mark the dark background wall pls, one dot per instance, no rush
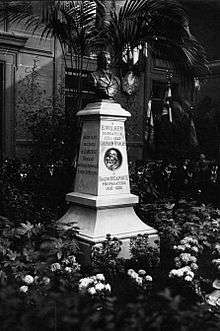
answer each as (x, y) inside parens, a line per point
(204, 18)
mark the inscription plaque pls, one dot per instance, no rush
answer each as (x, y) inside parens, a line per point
(87, 170)
(113, 177)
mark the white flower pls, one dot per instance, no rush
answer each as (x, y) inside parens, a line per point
(46, 280)
(195, 249)
(181, 247)
(193, 259)
(100, 277)
(191, 274)
(28, 279)
(213, 298)
(148, 278)
(186, 268)
(139, 280)
(177, 259)
(130, 272)
(216, 284)
(92, 290)
(185, 257)
(36, 278)
(72, 258)
(179, 272)
(85, 282)
(55, 266)
(24, 288)
(142, 272)
(173, 273)
(97, 246)
(65, 261)
(68, 269)
(194, 266)
(108, 287)
(216, 261)
(188, 279)
(99, 287)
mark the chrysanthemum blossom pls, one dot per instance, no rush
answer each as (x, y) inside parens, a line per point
(142, 272)
(68, 269)
(108, 287)
(100, 277)
(46, 280)
(99, 287)
(85, 282)
(188, 279)
(55, 266)
(28, 279)
(24, 289)
(92, 290)
(148, 278)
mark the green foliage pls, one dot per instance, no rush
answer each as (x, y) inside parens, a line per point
(162, 25)
(104, 256)
(45, 119)
(43, 287)
(144, 254)
(142, 180)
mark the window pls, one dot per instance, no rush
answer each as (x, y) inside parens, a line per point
(159, 89)
(71, 83)
(1, 106)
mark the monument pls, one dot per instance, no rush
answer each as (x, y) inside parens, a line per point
(101, 202)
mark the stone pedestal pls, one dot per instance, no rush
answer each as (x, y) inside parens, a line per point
(101, 202)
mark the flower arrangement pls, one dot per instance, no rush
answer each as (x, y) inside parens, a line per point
(94, 285)
(140, 278)
(186, 261)
(33, 282)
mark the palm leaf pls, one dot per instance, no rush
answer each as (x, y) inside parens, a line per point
(163, 25)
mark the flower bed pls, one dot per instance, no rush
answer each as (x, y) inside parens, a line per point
(43, 287)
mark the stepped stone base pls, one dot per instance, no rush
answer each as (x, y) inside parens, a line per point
(101, 203)
(97, 216)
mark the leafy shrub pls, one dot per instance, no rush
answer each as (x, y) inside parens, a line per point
(104, 256)
(143, 254)
(34, 191)
(197, 179)
(41, 281)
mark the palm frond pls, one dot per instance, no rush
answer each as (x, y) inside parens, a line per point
(163, 25)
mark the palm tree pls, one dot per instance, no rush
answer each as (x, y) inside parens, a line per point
(72, 23)
(159, 28)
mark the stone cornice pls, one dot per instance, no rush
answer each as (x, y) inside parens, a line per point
(12, 40)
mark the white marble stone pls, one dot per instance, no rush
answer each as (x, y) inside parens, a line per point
(102, 164)
(101, 202)
(94, 224)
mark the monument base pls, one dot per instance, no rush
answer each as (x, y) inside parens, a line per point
(97, 216)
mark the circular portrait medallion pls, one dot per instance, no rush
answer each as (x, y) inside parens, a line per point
(113, 159)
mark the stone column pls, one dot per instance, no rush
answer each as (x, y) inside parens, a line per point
(101, 202)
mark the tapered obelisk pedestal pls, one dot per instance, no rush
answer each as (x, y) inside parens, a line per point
(101, 202)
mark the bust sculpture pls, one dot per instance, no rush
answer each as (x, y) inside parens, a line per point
(106, 83)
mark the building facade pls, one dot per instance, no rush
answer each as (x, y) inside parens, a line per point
(32, 70)
(29, 74)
